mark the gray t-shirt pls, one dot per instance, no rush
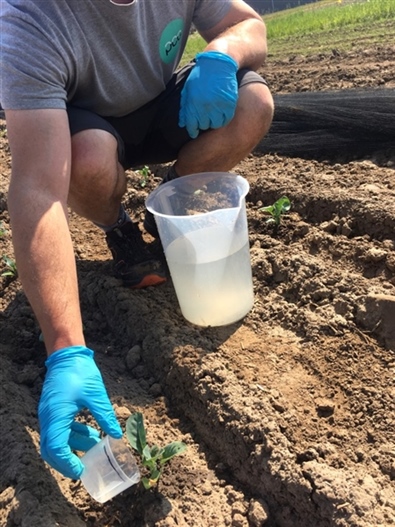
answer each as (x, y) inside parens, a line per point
(105, 58)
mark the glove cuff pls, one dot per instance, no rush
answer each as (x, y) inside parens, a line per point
(217, 55)
(66, 353)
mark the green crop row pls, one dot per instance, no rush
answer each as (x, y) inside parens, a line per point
(332, 22)
(327, 15)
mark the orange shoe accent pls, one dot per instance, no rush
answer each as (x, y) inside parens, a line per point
(148, 281)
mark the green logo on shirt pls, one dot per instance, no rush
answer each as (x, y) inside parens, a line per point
(169, 43)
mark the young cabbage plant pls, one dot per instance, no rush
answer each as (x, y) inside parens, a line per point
(279, 207)
(152, 458)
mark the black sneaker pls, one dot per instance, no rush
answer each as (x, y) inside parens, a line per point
(150, 224)
(134, 263)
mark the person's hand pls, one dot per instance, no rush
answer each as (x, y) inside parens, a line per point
(210, 93)
(73, 381)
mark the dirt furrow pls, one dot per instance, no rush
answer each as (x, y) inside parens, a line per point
(244, 421)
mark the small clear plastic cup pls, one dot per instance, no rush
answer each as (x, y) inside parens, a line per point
(110, 468)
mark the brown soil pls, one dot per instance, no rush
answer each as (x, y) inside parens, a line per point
(289, 415)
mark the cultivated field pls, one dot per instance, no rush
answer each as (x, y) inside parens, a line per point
(289, 415)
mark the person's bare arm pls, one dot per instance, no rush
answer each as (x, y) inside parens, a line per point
(37, 201)
(241, 34)
(41, 158)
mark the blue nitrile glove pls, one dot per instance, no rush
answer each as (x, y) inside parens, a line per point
(73, 381)
(210, 93)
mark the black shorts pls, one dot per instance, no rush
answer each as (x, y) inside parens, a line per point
(150, 134)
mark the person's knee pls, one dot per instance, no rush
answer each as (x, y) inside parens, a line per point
(94, 153)
(255, 111)
(96, 175)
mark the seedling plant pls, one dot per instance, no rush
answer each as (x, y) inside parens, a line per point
(145, 173)
(152, 458)
(276, 211)
(11, 269)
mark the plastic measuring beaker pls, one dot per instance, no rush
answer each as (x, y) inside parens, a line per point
(202, 224)
(109, 468)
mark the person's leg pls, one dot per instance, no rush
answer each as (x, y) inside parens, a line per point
(98, 183)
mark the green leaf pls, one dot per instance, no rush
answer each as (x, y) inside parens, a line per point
(282, 205)
(269, 209)
(147, 456)
(150, 464)
(135, 432)
(171, 450)
(156, 452)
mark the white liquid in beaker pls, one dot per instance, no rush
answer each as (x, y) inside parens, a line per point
(212, 289)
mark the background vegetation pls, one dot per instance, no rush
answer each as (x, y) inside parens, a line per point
(334, 23)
